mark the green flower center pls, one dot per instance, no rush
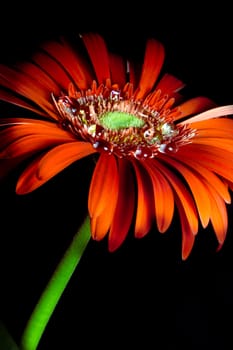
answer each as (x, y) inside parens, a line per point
(121, 126)
(117, 120)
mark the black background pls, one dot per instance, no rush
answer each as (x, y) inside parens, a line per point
(143, 295)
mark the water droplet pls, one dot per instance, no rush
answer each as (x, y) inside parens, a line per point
(96, 144)
(168, 147)
(138, 153)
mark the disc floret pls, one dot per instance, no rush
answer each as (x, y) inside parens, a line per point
(123, 126)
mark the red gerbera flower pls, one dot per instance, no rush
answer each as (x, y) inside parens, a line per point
(154, 150)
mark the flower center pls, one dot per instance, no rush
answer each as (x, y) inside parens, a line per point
(113, 121)
(119, 120)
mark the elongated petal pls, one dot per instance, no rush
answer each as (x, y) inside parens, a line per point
(103, 195)
(188, 238)
(145, 203)
(219, 217)
(194, 105)
(35, 73)
(46, 166)
(62, 156)
(118, 70)
(169, 85)
(98, 53)
(28, 145)
(163, 197)
(218, 124)
(197, 187)
(7, 96)
(207, 175)
(72, 63)
(124, 208)
(184, 196)
(53, 69)
(104, 182)
(214, 159)
(27, 87)
(153, 62)
(20, 141)
(211, 113)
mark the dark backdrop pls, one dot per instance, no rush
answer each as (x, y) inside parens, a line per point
(143, 295)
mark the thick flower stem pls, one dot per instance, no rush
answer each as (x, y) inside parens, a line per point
(53, 291)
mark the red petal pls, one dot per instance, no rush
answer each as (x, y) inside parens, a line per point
(46, 166)
(187, 235)
(214, 159)
(169, 85)
(98, 53)
(163, 197)
(153, 62)
(26, 139)
(125, 206)
(52, 69)
(207, 175)
(26, 86)
(62, 156)
(184, 196)
(104, 185)
(198, 188)
(71, 62)
(118, 70)
(211, 113)
(145, 203)
(18, 101)
(219, 216)
(108, 194)
(194, 105)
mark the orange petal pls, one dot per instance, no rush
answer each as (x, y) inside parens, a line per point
(62, 156)
(28, 180)
(153, 62)
(169, 85)
(52, 69)
(218, 124)
(207, 175)
(197, 187)
(98, 53)
(33, 71)
(145, 203)
(104, 185)
(188, 238)
(163, 198)
(221, 143)
(46, 166)
(17, 131)
(33, 143)
(194, 105)
(100, 224)
(183, 194)
(219, 216)
(214, 159)
(26, 86)
(125, 206)
(74, 65)
(211, 113)
(7, 96)
(118, 70)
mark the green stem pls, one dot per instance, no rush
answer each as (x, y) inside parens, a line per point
(53, 291)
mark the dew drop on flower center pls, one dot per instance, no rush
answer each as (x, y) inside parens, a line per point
(123, 126)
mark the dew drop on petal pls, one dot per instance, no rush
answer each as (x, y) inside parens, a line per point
(168, 147)
(96, 144)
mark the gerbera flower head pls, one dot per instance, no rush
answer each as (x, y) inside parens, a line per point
(155, 151)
